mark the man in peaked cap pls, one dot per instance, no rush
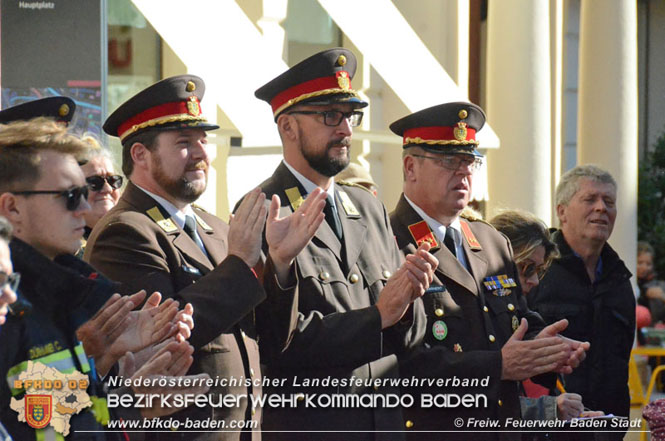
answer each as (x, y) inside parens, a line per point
(349, 283)
(157, 239)
(60, 108)
(472, 323)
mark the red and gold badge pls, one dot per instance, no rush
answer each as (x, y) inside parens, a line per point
(38, 410)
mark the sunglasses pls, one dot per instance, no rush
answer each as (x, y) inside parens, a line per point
(73, 196)
(12, 280)
(529, 269)
(96, 182)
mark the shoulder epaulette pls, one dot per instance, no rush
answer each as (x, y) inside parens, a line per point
(353, 184)
(470, 214)
(198, 207)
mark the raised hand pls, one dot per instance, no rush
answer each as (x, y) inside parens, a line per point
(522, 359)
(288, 236)
(246, 227)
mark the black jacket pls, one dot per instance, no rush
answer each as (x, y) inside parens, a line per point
(602, 313)
(63, 294)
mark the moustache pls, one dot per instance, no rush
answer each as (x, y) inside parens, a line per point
(201, 165)
(342, 142)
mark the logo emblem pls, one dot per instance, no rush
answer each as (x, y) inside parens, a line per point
(343, 80)
(439, 330)
(460, 131)
(38, 410)
(193, 107)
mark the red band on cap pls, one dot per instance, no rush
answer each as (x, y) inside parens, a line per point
(437, 133)
(166, 109)
(311, 86)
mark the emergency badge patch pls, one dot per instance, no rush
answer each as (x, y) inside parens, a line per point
(38, 410)
(499, 285)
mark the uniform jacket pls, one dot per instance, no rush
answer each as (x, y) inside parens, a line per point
(602, 313)
(145, 252)
(335, 332)
(477, 323)
(62, 298)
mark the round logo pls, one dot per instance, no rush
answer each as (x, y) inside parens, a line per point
(439, 330)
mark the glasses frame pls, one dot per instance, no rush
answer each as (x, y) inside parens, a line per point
(473, 164)
(527, 270)
(328, 119)
(72, 196)
(114, 181)
(12, 280)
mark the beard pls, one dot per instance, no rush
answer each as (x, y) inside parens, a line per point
(321, 162)
(180, 188)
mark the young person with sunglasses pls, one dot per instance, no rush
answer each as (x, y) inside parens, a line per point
(103, 183)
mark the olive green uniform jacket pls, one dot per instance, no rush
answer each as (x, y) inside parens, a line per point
(135, 245)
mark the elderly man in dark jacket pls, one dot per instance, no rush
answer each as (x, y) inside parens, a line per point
(590, 286)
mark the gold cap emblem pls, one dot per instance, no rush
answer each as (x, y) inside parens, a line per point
(190, 87)
(63, 110)
(463, 114)
(460, 131)
(343, 80)
(341, 60)
(193, 107)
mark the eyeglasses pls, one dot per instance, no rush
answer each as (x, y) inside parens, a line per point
(333, 118)
(455, 162)
(96, 182)
(72, 196)
(12, 280)
(529, 269)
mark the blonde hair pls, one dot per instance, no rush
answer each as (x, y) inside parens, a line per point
(21, 143)
(526, 233)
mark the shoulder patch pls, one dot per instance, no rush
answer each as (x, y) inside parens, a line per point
(165, 224)
(347, 203)
(353, 184)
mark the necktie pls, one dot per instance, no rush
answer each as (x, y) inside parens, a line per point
(332, 217)
(449, 241)
(190, 227)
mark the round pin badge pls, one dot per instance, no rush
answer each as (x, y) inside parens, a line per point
(439, 330)
(516, 323)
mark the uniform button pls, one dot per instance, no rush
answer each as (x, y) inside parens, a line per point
(511, 307)
(325, 275)
(251, 372)
(408, 424)
(438, 312)
(376, 387)
(243, 334)
(300, 397)
(485, 309)
(500, 403)
(492, 339)
(386, 274)
(354, 278)
(253, 411)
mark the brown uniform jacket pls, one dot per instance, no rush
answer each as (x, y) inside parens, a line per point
(335, 333)
(472, 323)
(128, 245)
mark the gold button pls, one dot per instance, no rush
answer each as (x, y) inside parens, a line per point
(325, 275)
(386, 274)
(500, 403)
(376, 387)
(485, 309)
(511, 307)
(438, 312)
(492, 339)
(354, 278)
(408, 424)
(243, 334)
(300, 397)
(253, 412)
(251, 372)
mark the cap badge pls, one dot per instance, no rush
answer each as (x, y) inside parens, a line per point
(343, 80)
(341, 60)
(193, 107)
(63, 110)
(190, 87)
(460, 131)
(463, 114)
